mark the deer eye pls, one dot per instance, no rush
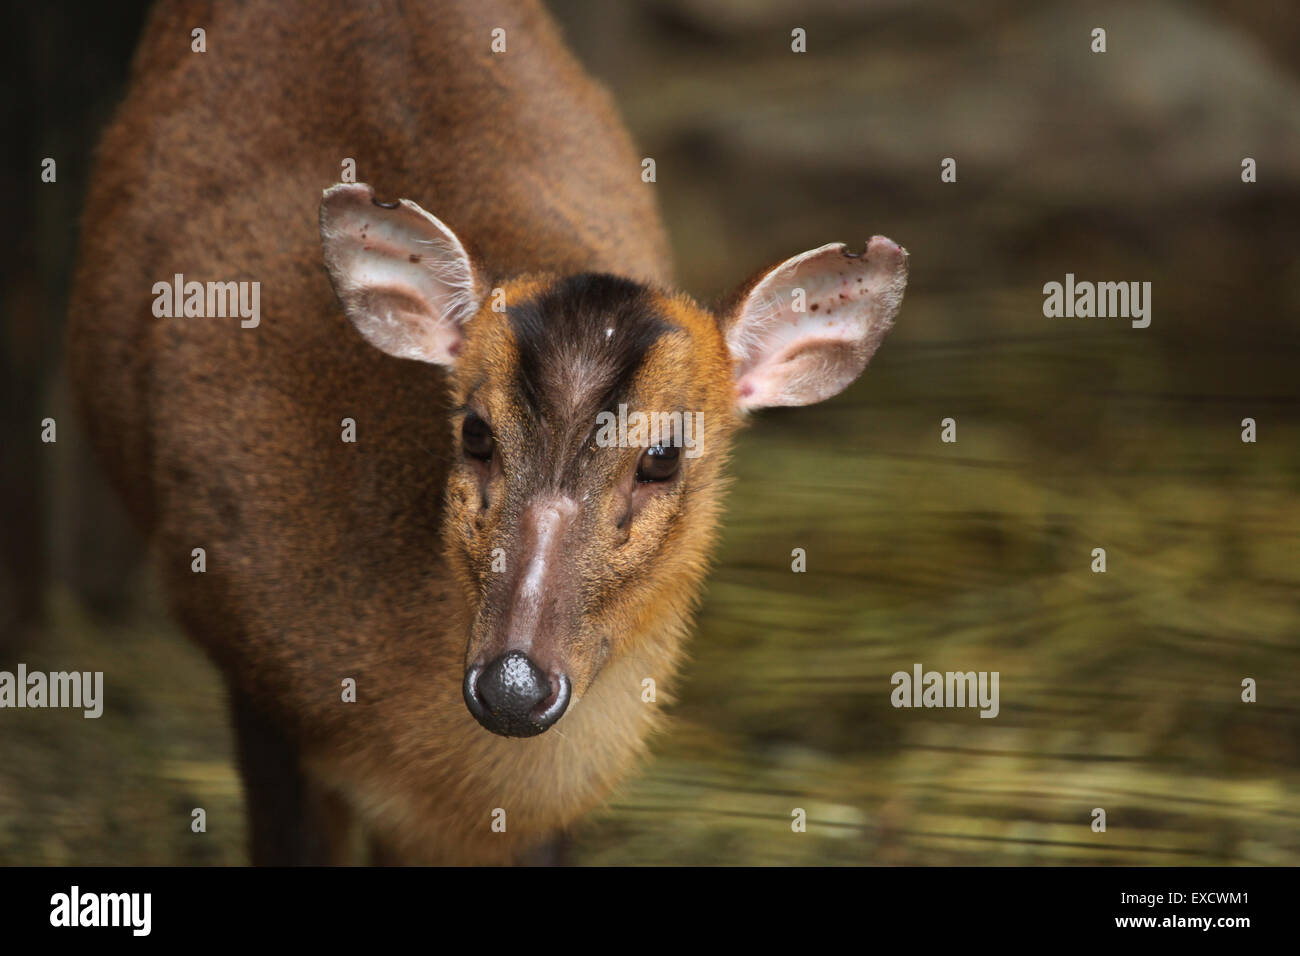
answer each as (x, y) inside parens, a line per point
(476, 438)
(658, 463)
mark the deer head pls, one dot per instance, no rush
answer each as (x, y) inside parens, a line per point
(593, 416)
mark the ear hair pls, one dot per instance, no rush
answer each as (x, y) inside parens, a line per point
(402, 276)
(787, 355)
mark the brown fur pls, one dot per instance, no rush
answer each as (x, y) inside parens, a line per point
(377, 560)
(324, 558)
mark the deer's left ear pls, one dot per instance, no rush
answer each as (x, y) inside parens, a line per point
(807, 328)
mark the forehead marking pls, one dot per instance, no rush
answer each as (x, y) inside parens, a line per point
(581, 343)
(582, 340)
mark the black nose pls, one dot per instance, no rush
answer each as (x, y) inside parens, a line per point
(512, 697)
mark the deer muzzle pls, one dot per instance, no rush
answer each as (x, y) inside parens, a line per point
(517, 682)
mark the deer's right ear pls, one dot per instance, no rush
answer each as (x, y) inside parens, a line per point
(402, 277)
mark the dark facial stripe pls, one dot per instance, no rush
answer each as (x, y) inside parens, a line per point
(565, 329)
(580, 345)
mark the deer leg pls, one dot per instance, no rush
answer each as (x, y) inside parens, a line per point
(291, 821)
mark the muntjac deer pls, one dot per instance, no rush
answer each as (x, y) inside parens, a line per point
(433, 579)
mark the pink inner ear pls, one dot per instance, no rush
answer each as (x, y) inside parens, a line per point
(788, 357)
(402, 276)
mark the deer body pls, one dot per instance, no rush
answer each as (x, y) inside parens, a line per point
(473, 546)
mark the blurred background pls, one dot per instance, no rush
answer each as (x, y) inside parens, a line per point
(1118, 690)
